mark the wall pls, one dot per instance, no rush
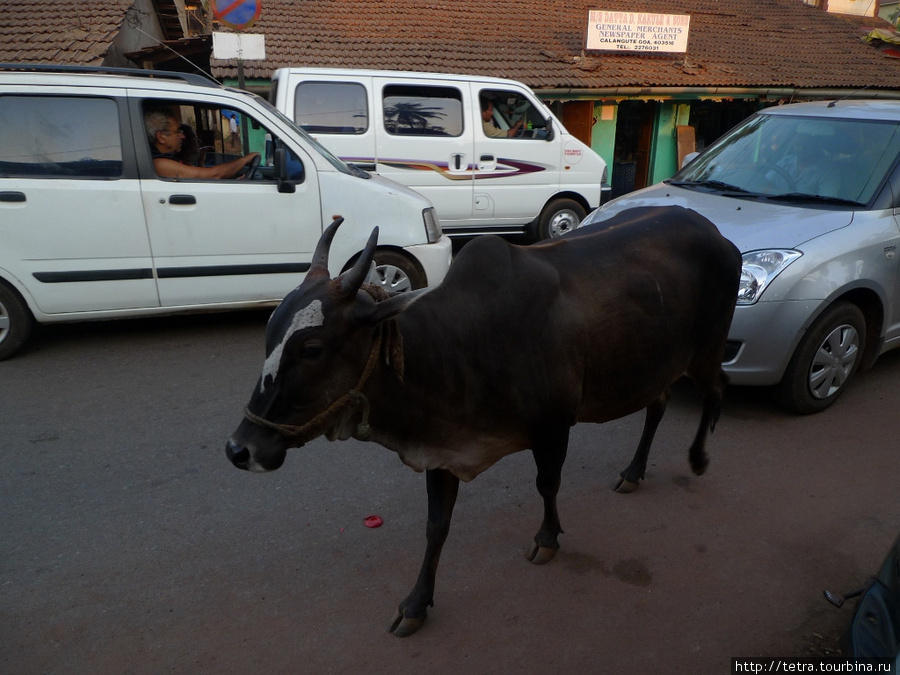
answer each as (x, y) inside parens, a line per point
(603, 134)
(855, 7)
(132, 40)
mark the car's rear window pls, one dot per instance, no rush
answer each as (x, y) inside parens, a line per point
(59, 137)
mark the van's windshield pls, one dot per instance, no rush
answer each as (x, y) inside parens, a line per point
(798, 158)
(335, 161)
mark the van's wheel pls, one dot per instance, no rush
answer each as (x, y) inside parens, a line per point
(396, 273)
(558, 217)
(825, 360)
(16, 321)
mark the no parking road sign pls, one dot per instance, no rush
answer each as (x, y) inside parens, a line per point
(236, 14)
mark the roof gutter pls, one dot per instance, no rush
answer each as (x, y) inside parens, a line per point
(713, 92)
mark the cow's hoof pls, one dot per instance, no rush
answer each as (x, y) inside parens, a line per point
(404, 626)
(625, 486)
(699, 460)
(541, 554)
(699, 466)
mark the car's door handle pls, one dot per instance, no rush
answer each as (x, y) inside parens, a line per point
(181, 200)
(487, 158)
(12, 196)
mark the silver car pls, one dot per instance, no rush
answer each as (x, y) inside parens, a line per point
(810, 194)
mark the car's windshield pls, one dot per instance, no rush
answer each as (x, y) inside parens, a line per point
(799, 157)
(335, 161)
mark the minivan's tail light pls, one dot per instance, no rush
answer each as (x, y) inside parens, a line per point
(432, 225)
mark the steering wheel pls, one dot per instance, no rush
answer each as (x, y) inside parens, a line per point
(791, 183)
(250, 169)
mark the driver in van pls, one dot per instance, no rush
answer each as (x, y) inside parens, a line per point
(166, 137)
(487, 116)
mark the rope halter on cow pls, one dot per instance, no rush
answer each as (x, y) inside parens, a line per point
(317, 425)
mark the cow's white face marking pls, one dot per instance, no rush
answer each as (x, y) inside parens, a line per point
(308, 317)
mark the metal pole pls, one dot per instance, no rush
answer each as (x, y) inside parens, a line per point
(245, 135)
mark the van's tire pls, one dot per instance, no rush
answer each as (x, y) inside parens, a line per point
(824, 361)
(16, 322)
(396, 272)
(558, 217)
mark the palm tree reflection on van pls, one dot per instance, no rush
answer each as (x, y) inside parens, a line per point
(413, 118)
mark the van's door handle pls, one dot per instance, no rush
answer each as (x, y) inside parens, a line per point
(456, 161)
(182, 200)
(487, 163)
(12, 196)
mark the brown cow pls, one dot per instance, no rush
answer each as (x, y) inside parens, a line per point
(516, 346)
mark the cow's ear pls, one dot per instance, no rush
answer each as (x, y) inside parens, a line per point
(388, 309)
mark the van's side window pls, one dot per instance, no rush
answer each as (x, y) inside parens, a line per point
(423, 110)
(331, 107)
(59, 137)
(508, 114)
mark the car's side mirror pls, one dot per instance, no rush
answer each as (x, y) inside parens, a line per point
(549, 129)
(285, 186)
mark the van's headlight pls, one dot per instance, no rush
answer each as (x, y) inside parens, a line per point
(432, 225)
(758, 271)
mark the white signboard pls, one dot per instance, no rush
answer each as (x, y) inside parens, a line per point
(240, 46)
(637, 31)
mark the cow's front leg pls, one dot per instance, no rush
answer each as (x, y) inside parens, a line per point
(443, 488)
(549, 456)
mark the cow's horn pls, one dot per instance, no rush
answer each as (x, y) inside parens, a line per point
(319, 264)
(353, 278)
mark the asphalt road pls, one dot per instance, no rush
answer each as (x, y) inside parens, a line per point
(129, 544)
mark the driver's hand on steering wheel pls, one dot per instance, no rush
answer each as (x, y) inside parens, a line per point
(248, 160)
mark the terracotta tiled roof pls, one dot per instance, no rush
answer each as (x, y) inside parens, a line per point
(75, 32)
(733, 43)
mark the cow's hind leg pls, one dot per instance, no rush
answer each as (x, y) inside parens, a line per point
(712, 407)
(630, 478)
(549, 455)
(443, 487)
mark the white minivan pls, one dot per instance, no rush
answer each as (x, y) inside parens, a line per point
(486, 151)
(90, 230)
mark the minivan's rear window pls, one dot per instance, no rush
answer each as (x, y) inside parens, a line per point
(59, 137)
(331, 107)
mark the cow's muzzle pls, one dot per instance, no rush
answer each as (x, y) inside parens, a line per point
(243, 458)
(238, 456)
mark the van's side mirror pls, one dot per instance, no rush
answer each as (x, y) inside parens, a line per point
(285, 186)
(549, 136)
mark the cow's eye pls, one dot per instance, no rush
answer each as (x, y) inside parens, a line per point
(311, 351)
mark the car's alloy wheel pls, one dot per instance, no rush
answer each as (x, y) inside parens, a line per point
(395, 273)
(825, 360)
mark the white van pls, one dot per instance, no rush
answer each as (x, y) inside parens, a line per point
(519, 170)
(89, 230)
